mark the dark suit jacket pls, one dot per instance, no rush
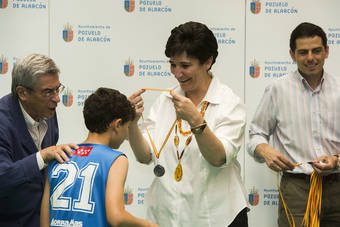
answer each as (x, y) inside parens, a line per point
(21, 182)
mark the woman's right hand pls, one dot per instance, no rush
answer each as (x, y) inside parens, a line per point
(137, 101)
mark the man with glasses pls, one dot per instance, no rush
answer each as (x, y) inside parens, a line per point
(28, 137)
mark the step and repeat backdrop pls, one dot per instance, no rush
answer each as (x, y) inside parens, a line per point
(120, 44)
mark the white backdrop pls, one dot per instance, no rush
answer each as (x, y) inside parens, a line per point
(107, 37)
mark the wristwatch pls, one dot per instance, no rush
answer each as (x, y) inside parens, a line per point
(199, 129)
(337, 163)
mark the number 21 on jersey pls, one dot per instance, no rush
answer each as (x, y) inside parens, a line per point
(83, 201)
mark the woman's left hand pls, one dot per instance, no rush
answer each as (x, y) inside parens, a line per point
(186, 109)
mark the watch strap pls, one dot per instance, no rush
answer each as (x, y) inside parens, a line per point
(199, 128)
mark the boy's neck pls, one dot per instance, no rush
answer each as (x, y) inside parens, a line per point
(98, 138)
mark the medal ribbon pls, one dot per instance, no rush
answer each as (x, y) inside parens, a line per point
(167, 137)
(178, 176)
(155, 89)
(179, 170)
(187, 142)
(313, 209)
(202, 112)
(176, 141)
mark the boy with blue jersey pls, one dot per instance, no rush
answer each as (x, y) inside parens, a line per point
(89, 189)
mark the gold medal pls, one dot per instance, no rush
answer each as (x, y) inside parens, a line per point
(178, 172)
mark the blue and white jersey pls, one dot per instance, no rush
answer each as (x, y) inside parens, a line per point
(77, 188)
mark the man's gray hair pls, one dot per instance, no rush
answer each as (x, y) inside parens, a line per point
(29, 68)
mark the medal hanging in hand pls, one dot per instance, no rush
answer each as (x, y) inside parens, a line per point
(159, 169)
(179, 169)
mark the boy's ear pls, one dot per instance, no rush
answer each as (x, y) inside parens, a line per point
(116, 123)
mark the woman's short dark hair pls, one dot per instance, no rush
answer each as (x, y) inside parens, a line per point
(194, 38)
(104, 106)
(305, 30)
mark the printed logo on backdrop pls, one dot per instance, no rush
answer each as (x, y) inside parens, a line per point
(82, 96)
(253, 197)
(276, 69)
(129, 5)
(3, 65)
(273, 7)
(67, 33)
(141, 195)
(67, 97)
(254, 69)
(255, 6)
(128, 196)
(147, 68)
(224, 35)
(3, 4)
(333, 35)
(148, 6)
(271, 197)
(129, 68)
(29, 4)
(87, 33)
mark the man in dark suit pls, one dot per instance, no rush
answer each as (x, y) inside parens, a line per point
(28, 137)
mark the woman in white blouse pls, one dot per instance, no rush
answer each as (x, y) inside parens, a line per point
(192, 135)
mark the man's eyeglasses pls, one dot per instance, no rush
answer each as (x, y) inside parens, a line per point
(49, 93)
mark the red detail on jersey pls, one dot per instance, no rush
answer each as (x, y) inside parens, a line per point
(83, 151)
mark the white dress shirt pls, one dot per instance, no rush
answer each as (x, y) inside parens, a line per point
(304, 123)
(206, 196)
(37, 131)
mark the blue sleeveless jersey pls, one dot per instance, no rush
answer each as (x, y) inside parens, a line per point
(77, 188)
